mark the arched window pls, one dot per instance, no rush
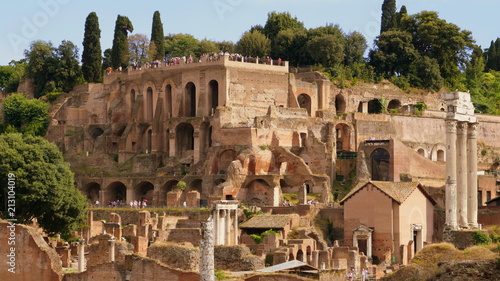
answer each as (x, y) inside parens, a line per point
(168, 101)
(305, 102)
(340, 104)
(149, 104)
(190, 100)
(213, 97)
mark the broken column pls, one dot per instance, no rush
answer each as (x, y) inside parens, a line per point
(112, 243)
(81, 255)
(207, 261)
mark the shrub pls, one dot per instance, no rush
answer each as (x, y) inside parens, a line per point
(480, 238)
(181, 185)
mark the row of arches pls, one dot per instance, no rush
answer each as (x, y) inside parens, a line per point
(174, 101)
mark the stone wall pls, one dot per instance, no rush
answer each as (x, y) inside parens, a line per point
(175, 256)
(182, 235)
(31, 260)
(236, 258)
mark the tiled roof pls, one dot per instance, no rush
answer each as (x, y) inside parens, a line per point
(398, 191)
(267, 221)
(294, 264)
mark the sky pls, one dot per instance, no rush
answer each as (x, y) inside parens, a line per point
(55, 20)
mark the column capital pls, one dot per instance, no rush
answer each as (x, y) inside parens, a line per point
(472, 132)
(451, 126)
(462, 128)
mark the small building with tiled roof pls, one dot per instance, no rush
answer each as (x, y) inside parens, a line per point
(282, 224)
(389, 221)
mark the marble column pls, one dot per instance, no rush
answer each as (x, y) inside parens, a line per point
(216, 226)
(81, 255)
(462, 174)
(451, 172)
(227, 236)
(112, 249)
(236, 227)
(369, 246)
(472, 176)
(207, 259)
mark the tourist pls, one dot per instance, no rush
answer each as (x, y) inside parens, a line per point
(364, 274)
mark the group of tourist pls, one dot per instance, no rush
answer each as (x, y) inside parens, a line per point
(353, 276)
(139, 204)
(171, 61)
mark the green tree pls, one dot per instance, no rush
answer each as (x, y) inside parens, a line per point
(67, 70)
(106, 59)
(277, 22)
(92, 53)
(40, 58)
(437, 39)
(254, 44)
(327, 50)
(291, 45)
(178, 45)
(355, 47)
(44, 185)
(394, 53)
(11, 74)
(388, 15)
(139, 48)
(425, 74)
(119, 55)
(26, 116)
(158, 37)
(207, 47)
(226, 46)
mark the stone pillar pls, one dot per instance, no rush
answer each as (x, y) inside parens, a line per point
(303, 194)
(207, 261)
(102, 201)
(369, 247)
(451, 171)
(81, 255)
(196, 152)
(462, 175)
(227, 236)
(364, 107)
(130, 196)
(236, 227)
(112, 242)
(472, 176)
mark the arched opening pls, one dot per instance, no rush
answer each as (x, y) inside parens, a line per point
(149, 141)
(305, 102)
(252, 165)
(440, 155)
(375, 106)
(256, 193)
(91, 192)
(132, 100)
(343, 135)
(144, 192)
(96, 132)
(184, 140)
(394, 104)
(340, 104)
(168, 101)
(380, 164)
(190, 100)
(213, 96)
(226, 157)
(291, 257)
(196, 185)
(421, 152)
(116, 191)
(300, 255)
(149, 104)
(169, 186)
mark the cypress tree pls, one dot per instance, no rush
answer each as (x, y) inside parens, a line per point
(119, 55)
(388, 13)
(157, 37)
(92, 56)
(491, 56)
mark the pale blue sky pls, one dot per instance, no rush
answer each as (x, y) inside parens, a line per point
(56, 20)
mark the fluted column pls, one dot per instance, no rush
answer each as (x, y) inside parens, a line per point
(236, 227)
(227, 236)
(451, 171)
(462, 174)
(472, 176)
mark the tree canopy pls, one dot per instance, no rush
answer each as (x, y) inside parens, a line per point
(254, 44)
(92, 53)
(388, 15)
(29, 116)
(53, 69)
(119, 54)
(44, 185)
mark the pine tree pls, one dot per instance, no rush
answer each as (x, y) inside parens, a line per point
(491, 56)
(388, 13)
(92, 54)
(157, 37)
(119, 55)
